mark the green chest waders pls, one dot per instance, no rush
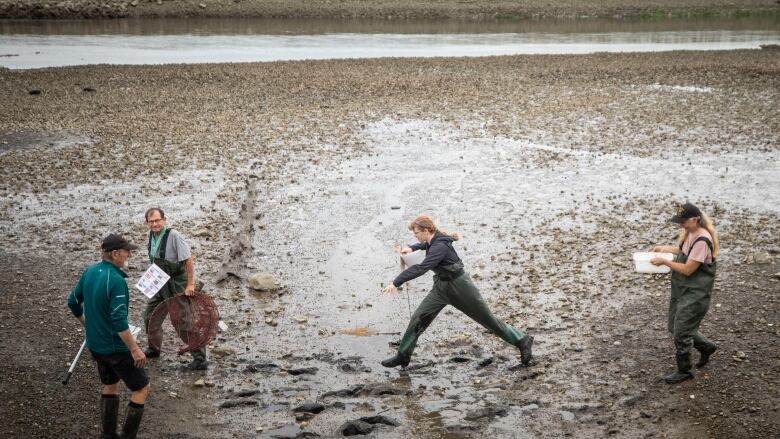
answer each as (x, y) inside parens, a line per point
(688, 304)
(453, 286)
(175, 285)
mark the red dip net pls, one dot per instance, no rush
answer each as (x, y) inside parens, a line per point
(193, 318)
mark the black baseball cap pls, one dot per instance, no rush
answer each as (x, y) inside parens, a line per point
(684, 212)
(115, 242)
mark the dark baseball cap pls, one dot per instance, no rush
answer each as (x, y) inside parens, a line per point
(115, 242)
(684, 212)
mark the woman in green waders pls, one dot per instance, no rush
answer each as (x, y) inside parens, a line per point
(451, 286)
(693, 275)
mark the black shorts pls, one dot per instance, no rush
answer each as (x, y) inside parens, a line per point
(115, 366)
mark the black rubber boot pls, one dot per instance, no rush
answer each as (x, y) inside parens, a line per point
(132, 421)
(705, 354)
(151, 353)
(196, 364)
(397, 360)
(683, 372)
(109, 408)
(525, 344)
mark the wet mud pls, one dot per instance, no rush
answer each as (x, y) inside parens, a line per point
(553, 169)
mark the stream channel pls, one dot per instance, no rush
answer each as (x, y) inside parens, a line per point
(36, 44)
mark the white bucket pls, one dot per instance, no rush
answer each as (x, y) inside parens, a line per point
(642, 262)
(413, 258)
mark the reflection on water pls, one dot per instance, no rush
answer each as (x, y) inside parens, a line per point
(26, 44)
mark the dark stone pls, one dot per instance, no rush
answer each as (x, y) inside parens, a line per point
(379, 419)
(245, 393)
(486, 362)
(352, 391)
(384, 389)
(90, 89)
(311, 407)
(258, 367)
(230, 403)
(34, 92)
(303, 371)
(354, 428)
(459, 359)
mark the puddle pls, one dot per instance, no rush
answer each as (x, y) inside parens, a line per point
(25, 139)
(359, 332)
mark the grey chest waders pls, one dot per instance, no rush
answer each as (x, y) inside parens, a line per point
(688, 304)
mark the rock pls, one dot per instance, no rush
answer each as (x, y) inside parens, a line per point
(352, 391)
(459, 359)
(88, 89)
(258, 367)
(310, 407)
(380, 419)
(486, 362)
(356, 427)
(567, 416)
(303, 371)
(199, 383)
(776, 275)
(263, 282)
(230, 403)
(760, 258)
(202, 5)
(222, 351)
(384, 389)
(34, 92)
(250, 392)
(487, 413)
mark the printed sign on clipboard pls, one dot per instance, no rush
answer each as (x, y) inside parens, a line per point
(152, 281)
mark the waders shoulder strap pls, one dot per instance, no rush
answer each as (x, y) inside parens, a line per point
(163, 243)
(706, 241)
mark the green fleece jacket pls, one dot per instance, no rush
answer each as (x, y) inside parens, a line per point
(102, 296)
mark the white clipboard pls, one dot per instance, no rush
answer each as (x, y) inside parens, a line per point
(152, 281)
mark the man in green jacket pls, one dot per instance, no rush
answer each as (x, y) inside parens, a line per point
(100, 300)
(170, 251)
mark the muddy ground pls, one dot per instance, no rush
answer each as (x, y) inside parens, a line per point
(382, 9)
(553, 168)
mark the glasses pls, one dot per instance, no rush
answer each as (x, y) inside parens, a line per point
(155, 221)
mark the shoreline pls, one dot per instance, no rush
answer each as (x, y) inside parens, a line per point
(384, 9)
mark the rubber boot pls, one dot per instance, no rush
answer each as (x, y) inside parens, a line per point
(683, 372)
(396, 360)
(150, 352)
(525, 344)
(705, 352)
(132, 421)
(109, 408)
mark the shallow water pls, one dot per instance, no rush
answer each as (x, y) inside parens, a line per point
(26, 44)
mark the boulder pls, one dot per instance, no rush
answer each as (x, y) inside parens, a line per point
(263, 282)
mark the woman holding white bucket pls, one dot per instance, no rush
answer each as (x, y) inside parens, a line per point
(693, 276)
